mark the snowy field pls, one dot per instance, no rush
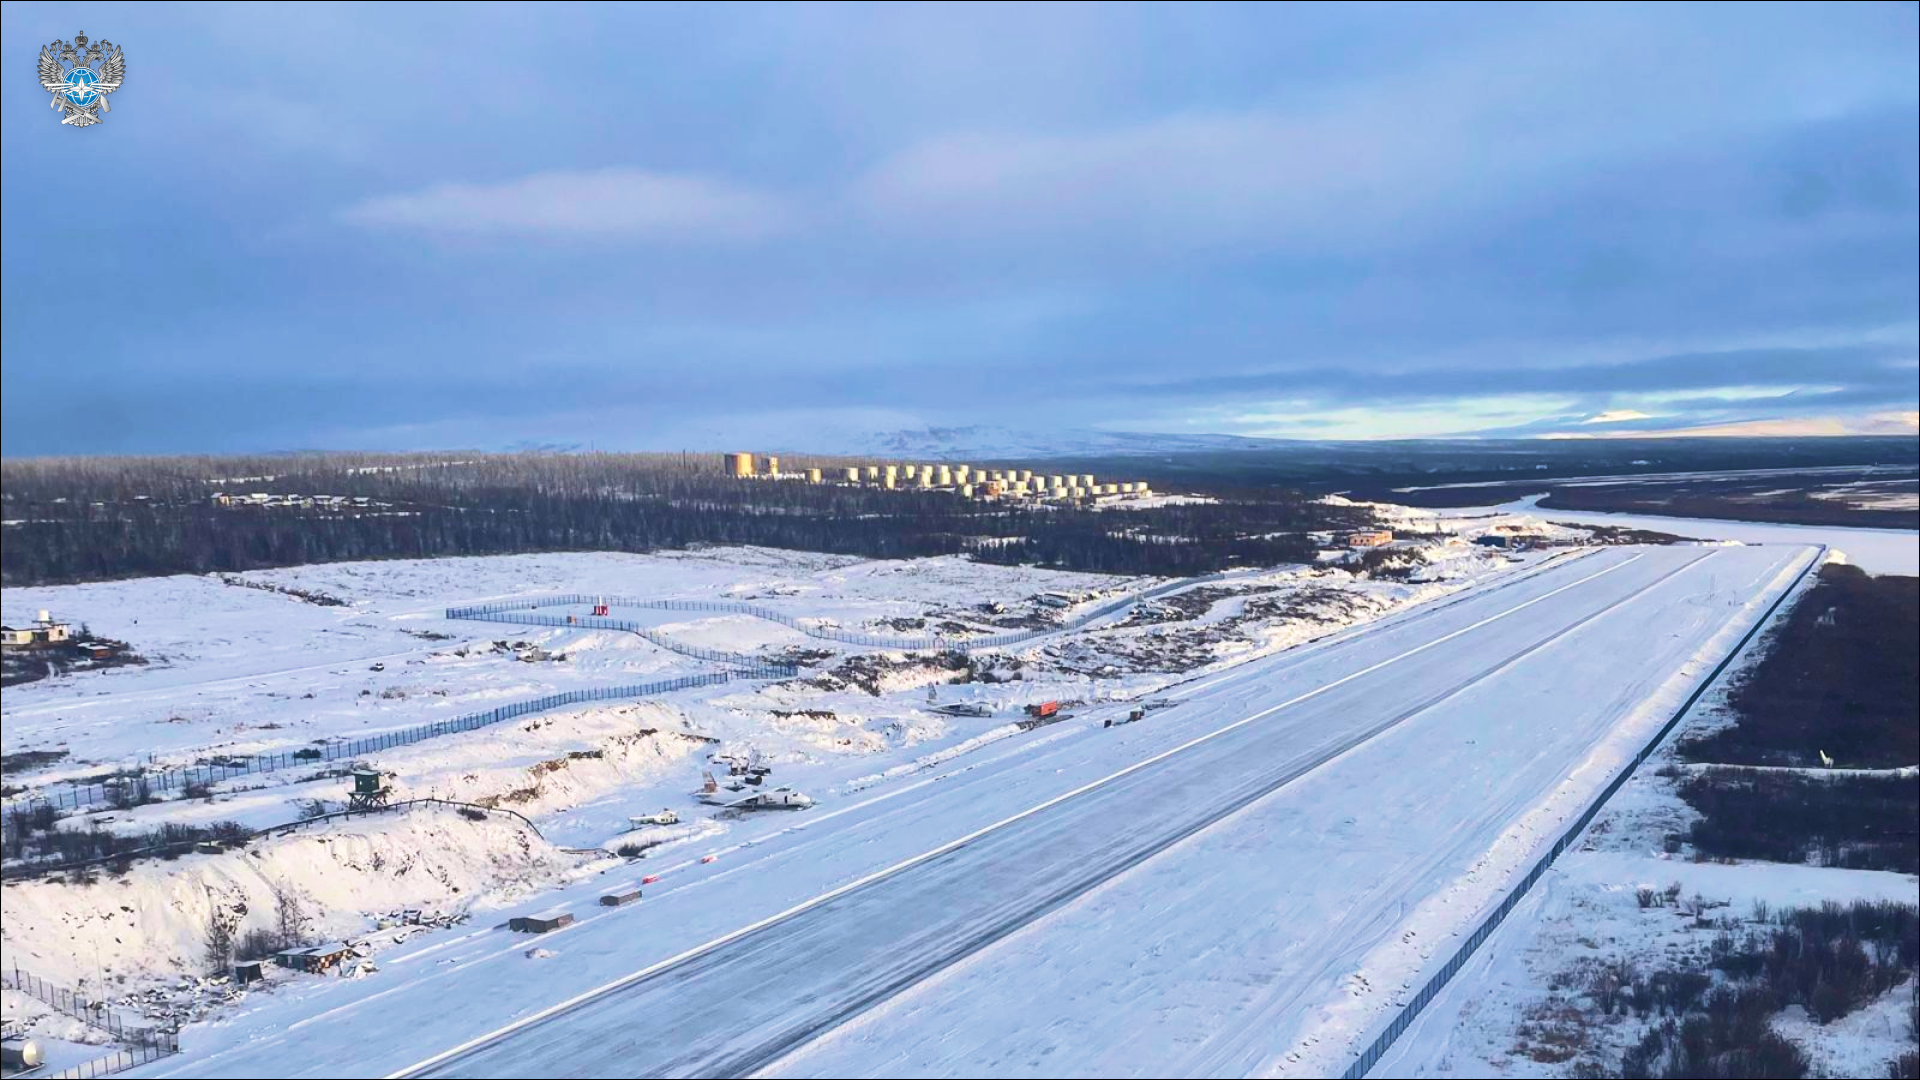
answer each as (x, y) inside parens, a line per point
(1513, 1011)
(243, 670)
(1877, 551)
(1441, 674)
(1266, 697)
(363, 648)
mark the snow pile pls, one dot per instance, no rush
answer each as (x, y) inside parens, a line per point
(543, 764)
(151, 924)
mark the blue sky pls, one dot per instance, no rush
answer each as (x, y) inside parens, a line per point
(406, 227)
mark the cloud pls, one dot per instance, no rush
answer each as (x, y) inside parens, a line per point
(1614, 416)
(1460, 132)
(1318, 219)
(595, 204)
(1882, 370)
(1895, 423)
(1191, 177)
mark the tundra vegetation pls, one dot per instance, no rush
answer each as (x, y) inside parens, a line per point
(1835, 689)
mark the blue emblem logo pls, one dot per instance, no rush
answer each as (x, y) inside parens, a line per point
(80, 86)
(80, 75)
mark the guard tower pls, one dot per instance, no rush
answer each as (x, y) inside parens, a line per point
(370, 790)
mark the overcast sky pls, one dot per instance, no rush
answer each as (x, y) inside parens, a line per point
(657, 227)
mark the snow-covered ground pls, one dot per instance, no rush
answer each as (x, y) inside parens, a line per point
(1666, 607)
(236, 669)
(1269, 941)
(1517, 1010)
(64, 1042)
(1877, 551)
(243, 670)
(1490, 1020)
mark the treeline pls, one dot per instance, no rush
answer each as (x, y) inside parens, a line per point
(1727, 501)
(76, 520)
(32, 835)
(1841, 674)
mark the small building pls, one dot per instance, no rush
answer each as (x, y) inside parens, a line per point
(97, 650)
(314, 959)
(621, 897)
(248, 971)
(46, 630)
(1370, 538)
(1057, 599)
(540, 924)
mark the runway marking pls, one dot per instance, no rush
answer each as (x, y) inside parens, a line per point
(951, 845)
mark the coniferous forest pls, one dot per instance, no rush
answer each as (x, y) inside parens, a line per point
(70, 520)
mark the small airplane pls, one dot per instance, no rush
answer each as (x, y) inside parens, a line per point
(729, 798)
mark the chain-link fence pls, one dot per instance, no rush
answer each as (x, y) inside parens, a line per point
(762, 668)
(142, 785)
(143, 1044)
(527, 611)
(1414, 1006)
(117, 1062)
(135, 787)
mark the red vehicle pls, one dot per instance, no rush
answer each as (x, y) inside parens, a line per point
(599, 609)
(1043, 710)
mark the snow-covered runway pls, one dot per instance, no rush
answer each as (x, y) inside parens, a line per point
(1220, 889)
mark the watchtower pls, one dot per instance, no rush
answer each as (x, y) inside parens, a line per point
(370, 790)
